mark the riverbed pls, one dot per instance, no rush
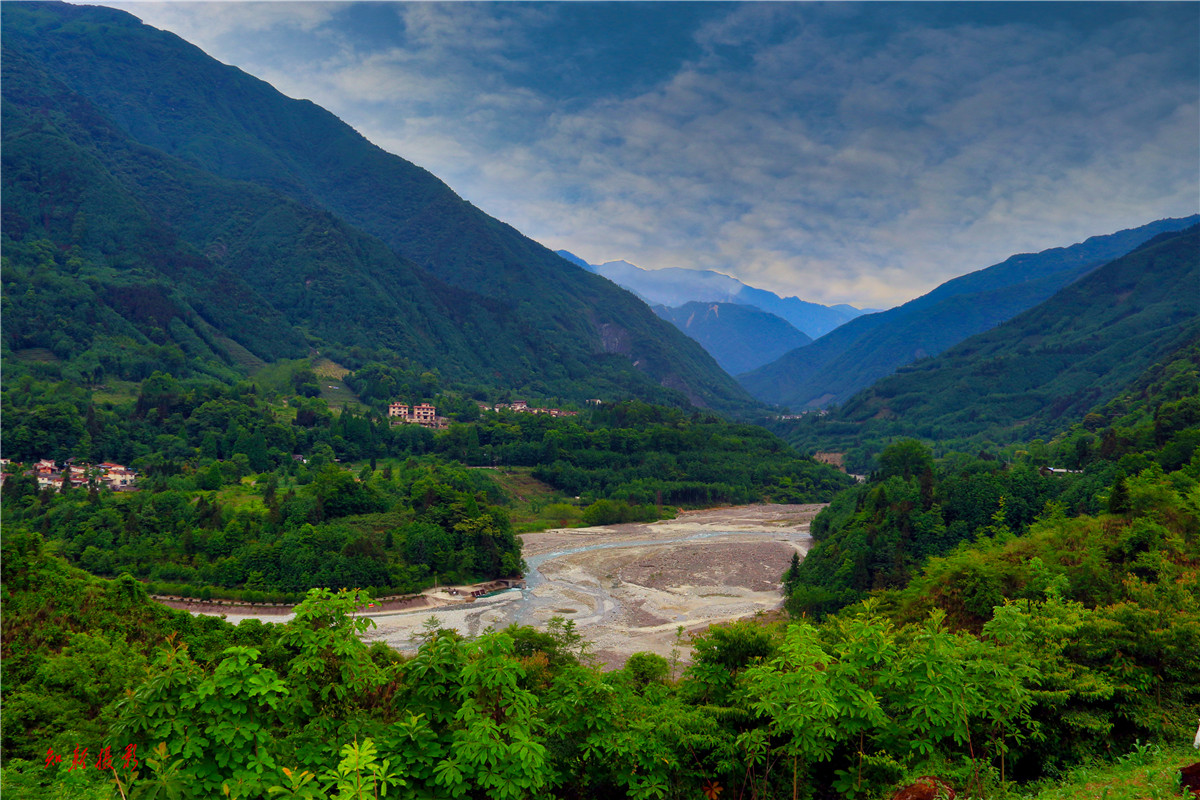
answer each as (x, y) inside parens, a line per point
(630, 588)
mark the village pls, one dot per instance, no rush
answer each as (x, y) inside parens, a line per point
(425, 414)
(75, 474)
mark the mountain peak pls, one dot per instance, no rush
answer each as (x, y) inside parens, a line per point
(676, 286)
(871, 347)
(359, 250)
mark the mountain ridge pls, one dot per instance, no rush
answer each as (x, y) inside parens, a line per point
(567, 326)
(739, 337)
(675, 286)
(1051, 363)
(870, 347)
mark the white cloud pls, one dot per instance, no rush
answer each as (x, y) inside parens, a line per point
(205, 24)
(841, 152)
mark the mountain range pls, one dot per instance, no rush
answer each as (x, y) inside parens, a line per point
(1041, 370)
(674, 286)
(739, 337)
(163, 211)
(161, 207)
(855, 355)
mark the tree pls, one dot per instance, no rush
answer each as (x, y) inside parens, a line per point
(1118, 498)
(494, 748)
(907, 458)
(332, 668)
(791, 575)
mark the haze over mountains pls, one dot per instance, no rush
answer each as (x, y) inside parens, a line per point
(1044, 368)
(739, 337)
(673, 287)
(162, 207)
(207, 212)
(868, 348)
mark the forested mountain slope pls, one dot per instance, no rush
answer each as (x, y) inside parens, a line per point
(1052, 363)
(739, 337)
(247, 172)
(1019, 625)
(881, 533)
(870, 347)
(127, 224)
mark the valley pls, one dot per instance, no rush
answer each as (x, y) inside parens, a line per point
(320, 481)
(628, 588)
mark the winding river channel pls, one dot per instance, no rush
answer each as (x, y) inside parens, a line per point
(628, 588)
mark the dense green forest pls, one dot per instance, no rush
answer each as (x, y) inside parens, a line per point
(983, 620)
(1045, 638)
(164, 207)
(878, 534)
(252, 493)
(993, 620)
(1036, 373)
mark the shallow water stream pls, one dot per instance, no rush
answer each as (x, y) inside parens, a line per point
(705, 567)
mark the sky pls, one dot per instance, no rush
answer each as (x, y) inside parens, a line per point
(841, 152)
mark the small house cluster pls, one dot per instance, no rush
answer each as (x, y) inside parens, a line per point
(820, 412)
(51, 475)
(423, 414)
(522, 407)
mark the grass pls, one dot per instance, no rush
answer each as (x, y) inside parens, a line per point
(246, 494)
(535, 506)
(333, 390)
(247, 361)
(519, 484)
(324, 368)
(1148, 772)
(116, 392)
(336, 393)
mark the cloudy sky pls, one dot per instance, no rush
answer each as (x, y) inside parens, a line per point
(841, 152)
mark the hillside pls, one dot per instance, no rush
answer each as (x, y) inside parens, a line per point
(870, 347)
(917, 513)
(1052, 363)
(674, 286)
(363, 253)
(739, 337)
(157, 253)
(1003, 663)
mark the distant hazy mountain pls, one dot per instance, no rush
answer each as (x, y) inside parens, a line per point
(739, 337)
(852, 357)
(201, 209)
(674, 287)
(1044, 368)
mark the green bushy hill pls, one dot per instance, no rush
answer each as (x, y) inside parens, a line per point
(1053, 363)
(852, 357)
(303, 234)
(355, 247)
(1034, 649)
(148, 237)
